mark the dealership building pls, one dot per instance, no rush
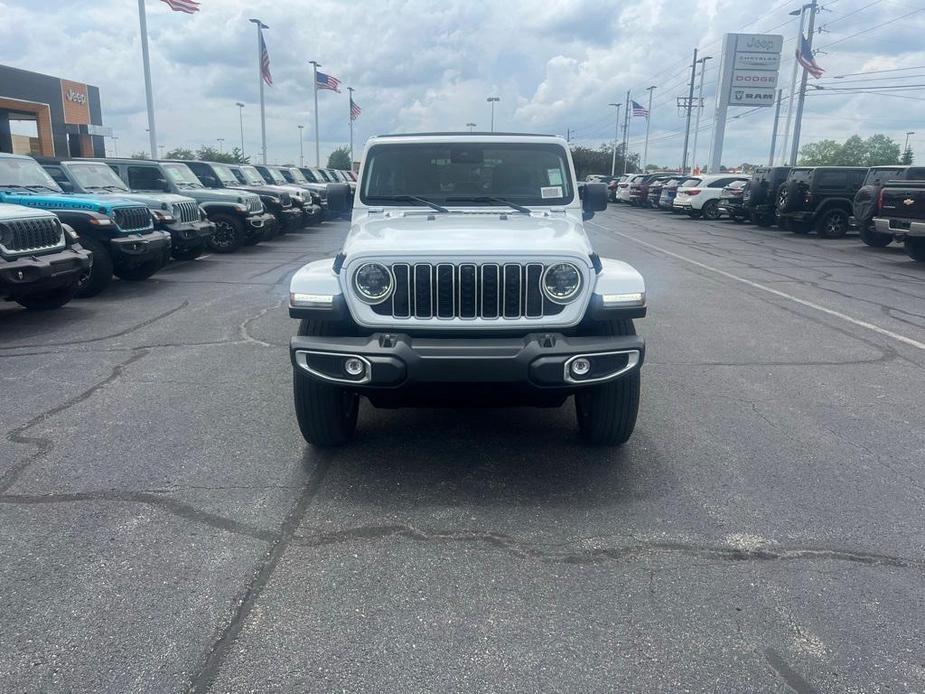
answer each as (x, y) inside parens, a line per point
(49, 116)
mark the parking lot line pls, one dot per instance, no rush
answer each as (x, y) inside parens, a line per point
(757, 285)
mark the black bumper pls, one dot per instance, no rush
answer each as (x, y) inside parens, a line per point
(37, 273)
(134, 249)
(189, 235)
(289, 217)
(538, 360)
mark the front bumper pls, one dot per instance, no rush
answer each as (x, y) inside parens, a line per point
(395, 360)
(186, 235)
(35, 273)
(134, 249)
(289, 217)
(259, 223)
(899, 227)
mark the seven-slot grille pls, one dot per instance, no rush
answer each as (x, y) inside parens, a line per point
(133, 218)
(467, 290)
(254, 204)
(187, 211)
(31, 234)
(285, 200)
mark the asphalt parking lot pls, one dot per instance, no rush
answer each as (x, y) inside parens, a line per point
(163, 527)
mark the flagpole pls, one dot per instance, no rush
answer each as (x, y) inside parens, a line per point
(263, 113)
(350, 115)
(645, 150)
(798, 123)
(793, 86)
(626, 123)
(315, 66)
(149, 92)
(616, 134)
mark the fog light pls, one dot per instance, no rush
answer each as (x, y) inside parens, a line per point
(354, 367)
(581, 367)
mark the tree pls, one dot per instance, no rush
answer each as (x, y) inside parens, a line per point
(209, 153)
(180, 153)
(881, 150)
(340, 159)
(907, 157)
(598, 161)
(821, 153)
(876, 150)
(852, 152)
(140, 155)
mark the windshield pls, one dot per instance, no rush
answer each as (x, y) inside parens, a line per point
(99, 176)
(181, 175)
(251, 176)
(26, 173)
(323, 175)
(690, 183)
(309, 175)
(224, 175)
(296, 175)
(276, 176)
(525, 173)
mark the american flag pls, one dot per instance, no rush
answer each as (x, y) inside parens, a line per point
(355, 110)
(806, 59)
(323, 81)
(640, 110)
(264, 60)
(187, 6)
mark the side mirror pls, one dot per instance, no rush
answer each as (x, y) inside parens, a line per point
(593, 199)
(338, 194)
(66, 186)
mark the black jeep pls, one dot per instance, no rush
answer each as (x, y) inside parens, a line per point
(867, 200)
(760, 196)
(819, 198)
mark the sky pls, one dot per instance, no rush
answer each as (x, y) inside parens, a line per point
(425, 66)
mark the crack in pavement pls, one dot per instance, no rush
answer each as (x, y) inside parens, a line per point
(246, 336)
(567, 554)
(44, 444)
(173, 506)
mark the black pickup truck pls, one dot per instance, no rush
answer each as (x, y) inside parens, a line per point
(819, 198)
(867, 200)
(902, 215)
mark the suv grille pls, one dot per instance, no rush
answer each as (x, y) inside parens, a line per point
(133, 218)
(187, 211)
(39, 234)
(467, 290)
(285, 200)
(254, 204)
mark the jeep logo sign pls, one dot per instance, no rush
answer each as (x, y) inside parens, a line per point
(76, 101)
(75, 96)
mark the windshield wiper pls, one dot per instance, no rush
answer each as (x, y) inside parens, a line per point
(488, 198)
(39, 185)
(409, 198)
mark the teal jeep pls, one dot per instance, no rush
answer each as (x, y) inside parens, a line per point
(120, 233)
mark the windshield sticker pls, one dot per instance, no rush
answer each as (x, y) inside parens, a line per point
(551, 192)
(554, 176)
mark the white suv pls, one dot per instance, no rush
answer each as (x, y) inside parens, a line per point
(699, 197)
(467, 277)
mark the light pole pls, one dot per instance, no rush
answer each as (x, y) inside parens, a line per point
(301, 152)
(160, 149)
(906, 146)
(793, 82)
(491, 100)
(241, 119)
(470, 126)
(616, 134)
(703, 69)
(115, 145)
(645, 150)
(690, 105)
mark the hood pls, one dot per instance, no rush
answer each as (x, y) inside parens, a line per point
(8, 211)
(217, 195)
(147, 199)
(475, 234)
(62, 201)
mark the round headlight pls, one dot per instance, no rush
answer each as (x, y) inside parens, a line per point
(561, 282)
(373, 282)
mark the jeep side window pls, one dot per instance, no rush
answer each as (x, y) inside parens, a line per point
(832, 179)
(144, 178)
(916, 174)
(57, 173)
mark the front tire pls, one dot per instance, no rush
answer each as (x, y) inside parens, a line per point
(711, 210)
(139, 273)
(186, 253)
(99, 276)
(915, 248)
(607, 413)
(694, 214)
(228, 235)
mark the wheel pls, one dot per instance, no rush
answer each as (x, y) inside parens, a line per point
(52, 299)
(139, 273)
(833, 224)
(711, 211)
(607, 413)
(186, 253)
(327, 414)
(915, 248)
(228, 235)
(788, 197)
(875, 239)
(694, 214)
(99, 276)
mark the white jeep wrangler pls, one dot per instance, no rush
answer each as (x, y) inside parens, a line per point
(467, 278)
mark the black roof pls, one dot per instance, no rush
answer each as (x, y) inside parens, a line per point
(466, 133)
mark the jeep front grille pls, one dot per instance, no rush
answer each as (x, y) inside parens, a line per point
(187, 211)
(467, 290)
(27, 235)
(254, 204)
(285, 200)
(133, 218)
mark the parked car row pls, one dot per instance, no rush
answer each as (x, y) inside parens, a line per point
(883, 203)
(67, 227)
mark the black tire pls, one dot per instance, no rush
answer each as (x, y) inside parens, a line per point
(228, 235)
(711, 211)
(738, 217)
(915, 248)
(694, 214)
(788, 197)
(327, 414)
(875, 239)
(139, 273)
(99, 276)
(607, 413)
(833, 224)
(798, 227)
(50, 300)
(186, 253)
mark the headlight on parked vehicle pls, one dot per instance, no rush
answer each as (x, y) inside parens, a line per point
(373, 282)
(561, 282)
(240, 208)
(71, 234)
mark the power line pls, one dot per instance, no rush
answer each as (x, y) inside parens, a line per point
(877, 72)
(877, 26)
(845, 16)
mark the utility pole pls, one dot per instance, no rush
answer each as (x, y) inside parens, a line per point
(263, 113)
(793, 84)
(703, 69)
(645, 150)
(115, 145)
(241, 119)
(491, 100)
(690, 103)
(350, 116)
(798, 124)
(626, 125)
(471, 126)
(315, 66)
(301, 149)
(780, 95)
(616, 134)
(905, 146)
(146, 63)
